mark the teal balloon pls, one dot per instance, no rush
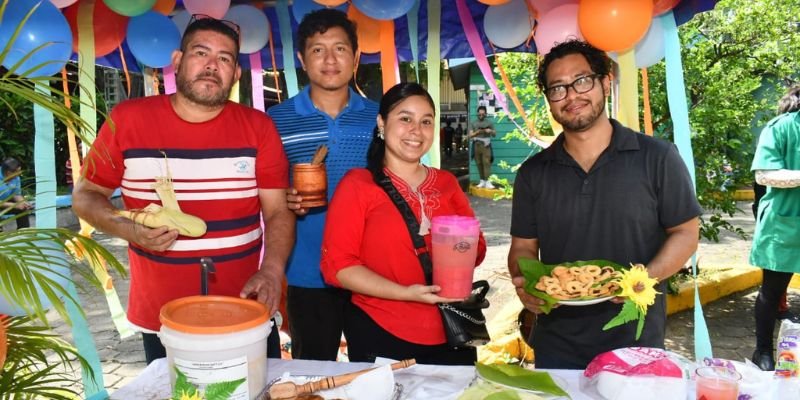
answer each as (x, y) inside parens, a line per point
(152, 37)
(130, 8)
(46, 26)
(384, 9)
(53, 265)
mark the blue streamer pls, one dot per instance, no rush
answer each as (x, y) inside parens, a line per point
(413, 35)
(45, 160)
(285, 25)
(676, 94)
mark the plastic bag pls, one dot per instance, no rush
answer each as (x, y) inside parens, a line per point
(635, 373)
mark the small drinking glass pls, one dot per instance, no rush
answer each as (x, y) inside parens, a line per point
(717, 383)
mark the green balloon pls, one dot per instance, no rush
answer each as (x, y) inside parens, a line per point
(130, 8)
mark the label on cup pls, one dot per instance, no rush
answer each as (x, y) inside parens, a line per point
(462, 247)
(205, 374)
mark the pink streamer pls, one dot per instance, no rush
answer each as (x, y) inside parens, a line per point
(256, 73)
(169, 80)
(474, 40)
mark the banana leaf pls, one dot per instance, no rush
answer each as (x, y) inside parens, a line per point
(532, 270)
(517, 377)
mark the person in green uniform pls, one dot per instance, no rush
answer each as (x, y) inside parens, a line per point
(776, 242)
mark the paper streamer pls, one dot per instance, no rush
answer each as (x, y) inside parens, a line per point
(86, 61)
(234, 95)
(285, 25)
(476, 45)
(678, 109)
(125, 70)
(628, 90)
(147, 75)
(275, 73)
(648, 116)
(45, 160)
(257, 77)
(389, 71)
(169, 79)
(433, 157)
(413, 35)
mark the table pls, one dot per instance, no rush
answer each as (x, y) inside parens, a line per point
(420, 382)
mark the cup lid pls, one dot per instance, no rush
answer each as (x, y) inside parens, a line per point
(213, 314)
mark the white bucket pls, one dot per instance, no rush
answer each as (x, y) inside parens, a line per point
(218, 342)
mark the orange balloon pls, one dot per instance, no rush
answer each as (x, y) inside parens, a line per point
(493, 2)
(164, 6)
(109, 27)
(614, 25)
(368, 31)
(330, 3)
(662, 6)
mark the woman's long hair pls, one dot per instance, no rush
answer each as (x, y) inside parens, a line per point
(390, 99)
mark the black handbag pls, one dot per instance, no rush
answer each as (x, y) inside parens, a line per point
(464, 323)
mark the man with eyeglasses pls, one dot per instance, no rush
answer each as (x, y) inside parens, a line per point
(327, 112)
(228, 167)
(600, 192)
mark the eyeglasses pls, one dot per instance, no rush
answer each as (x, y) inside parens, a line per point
(580, 86)
(230, 24)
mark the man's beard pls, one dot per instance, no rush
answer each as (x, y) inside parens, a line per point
(581, 123)
(186, 87)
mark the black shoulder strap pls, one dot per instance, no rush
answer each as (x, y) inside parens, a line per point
(420, 248)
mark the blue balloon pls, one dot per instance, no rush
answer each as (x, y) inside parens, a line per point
(46, 26)
(152, 37)
(382, 9)
(302, 7)
(56, 268)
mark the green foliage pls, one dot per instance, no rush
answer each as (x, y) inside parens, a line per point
(216, 391)
(737, 60)
(628, 313)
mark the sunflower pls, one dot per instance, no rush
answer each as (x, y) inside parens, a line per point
(191, 396)
(639, 287)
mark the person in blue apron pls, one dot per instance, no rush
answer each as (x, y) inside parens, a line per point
(776, 242)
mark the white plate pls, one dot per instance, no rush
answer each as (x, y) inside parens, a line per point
(587, 302)
(558, 380)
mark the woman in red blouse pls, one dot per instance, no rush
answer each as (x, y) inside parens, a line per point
(367, 249)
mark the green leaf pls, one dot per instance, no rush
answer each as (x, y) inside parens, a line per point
(628, 313)
(640, 325)
(515, 376)
(182, 386)
(222, 390)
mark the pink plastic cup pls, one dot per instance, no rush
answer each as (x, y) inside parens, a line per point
(455, 249)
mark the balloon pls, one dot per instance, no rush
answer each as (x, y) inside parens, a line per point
(543, 6)
(109, 28)
(650, 50)
(494, 2)
(368, 31)
(164, 6)
(254, 27)
(130, 8)
(181, 20)
(331, 3)
(662, 6)
(509, 25)
(152, 38)
(383, 9)
(62, 3)
(55, 268)
(557, 25)
(614, 25)
(46, 26)
(214, 9)
(302, 7)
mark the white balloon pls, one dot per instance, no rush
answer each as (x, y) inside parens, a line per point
(508, 25)
(650, 49)
(181, 20)
(254, 27)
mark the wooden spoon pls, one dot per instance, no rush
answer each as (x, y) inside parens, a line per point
(320, 154)
(290, 390)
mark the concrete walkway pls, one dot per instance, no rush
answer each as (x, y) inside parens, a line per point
(730, 318)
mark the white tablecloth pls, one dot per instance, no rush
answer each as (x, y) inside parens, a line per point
(419, 382)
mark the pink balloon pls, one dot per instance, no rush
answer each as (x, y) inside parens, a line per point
(543, 6)
(212, 8)
(556, 26)
(62, 3)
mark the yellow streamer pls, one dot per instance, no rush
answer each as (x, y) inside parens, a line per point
(628, 90)
(234, 97)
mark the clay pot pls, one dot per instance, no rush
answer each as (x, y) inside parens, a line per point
(311, 182)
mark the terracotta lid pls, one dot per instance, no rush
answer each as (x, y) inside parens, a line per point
(213, 314)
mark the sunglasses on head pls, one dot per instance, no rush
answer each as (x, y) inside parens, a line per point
(230, 24)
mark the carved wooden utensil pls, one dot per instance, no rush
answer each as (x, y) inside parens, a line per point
(319, 155)
(290, 390)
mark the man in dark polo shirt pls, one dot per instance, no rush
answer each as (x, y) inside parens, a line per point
(600, 191)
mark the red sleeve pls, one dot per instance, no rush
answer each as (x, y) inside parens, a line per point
(104, 164)
(344, 228)
(272, 166)
(462, 207)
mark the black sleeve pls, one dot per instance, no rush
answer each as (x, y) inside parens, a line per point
(523, 216)
(677, 202)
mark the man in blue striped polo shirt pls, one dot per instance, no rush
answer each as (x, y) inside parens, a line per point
(326, 112)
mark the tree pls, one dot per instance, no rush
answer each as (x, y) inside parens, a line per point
(738, 59)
